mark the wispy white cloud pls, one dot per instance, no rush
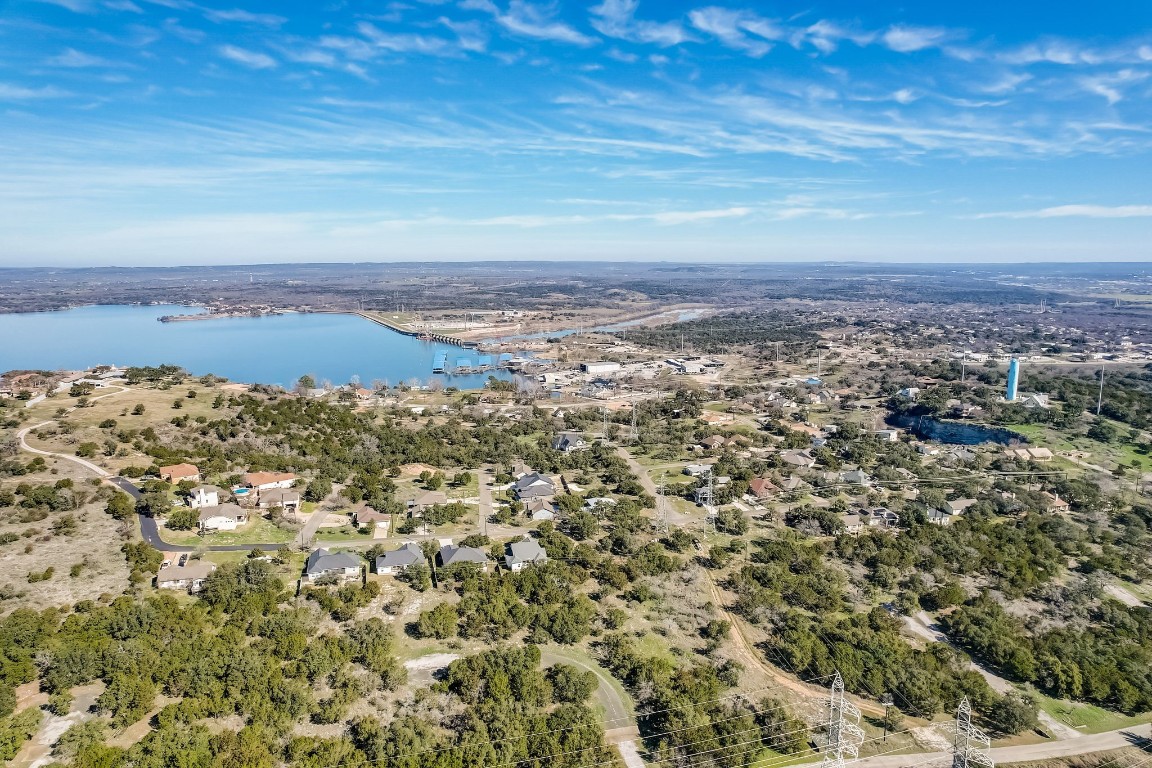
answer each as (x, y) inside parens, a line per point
(525, 19)
(123, 5)
(1112, 85)
(407, 42)
(617, 18)
(10, 92)
(250, 59)
(244, 17)
(74, 59)
(904, 38)
(740, 30)
(76, 6)
(1066, 211)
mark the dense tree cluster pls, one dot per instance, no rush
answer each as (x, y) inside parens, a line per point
(1108, 661)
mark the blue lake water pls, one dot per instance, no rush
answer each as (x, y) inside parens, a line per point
(276, 349)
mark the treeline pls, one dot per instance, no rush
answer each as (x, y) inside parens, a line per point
(1107, 661)
(721, 333)
(240, 651)
(693, 720)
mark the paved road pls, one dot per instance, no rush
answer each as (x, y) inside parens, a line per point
(1081, 745)
(22, 436)
(308, 532)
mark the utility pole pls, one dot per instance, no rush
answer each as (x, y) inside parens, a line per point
(844, 733)
(970, 745)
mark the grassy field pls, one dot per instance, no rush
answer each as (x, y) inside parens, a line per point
(257, 530)
(1086, 717)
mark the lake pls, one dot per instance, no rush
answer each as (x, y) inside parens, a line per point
(276, 349)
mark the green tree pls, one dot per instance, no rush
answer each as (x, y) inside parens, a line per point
(440, 622)
(183, 519)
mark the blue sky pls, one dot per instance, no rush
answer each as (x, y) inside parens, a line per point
(189, 132)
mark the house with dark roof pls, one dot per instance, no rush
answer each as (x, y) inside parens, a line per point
(450, 554)
(396, 561)
(567, 442)
(323, 564)
(523, 553)
(533, 486)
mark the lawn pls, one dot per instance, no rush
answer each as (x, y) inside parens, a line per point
(1087, 718)
(258, 530)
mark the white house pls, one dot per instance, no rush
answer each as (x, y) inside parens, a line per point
(524, 553)
(184, 574)
(567, 442)
(338, 565)
(285, 498)
(396, 561)
(225, 517)
(266, 481)
(204, 496)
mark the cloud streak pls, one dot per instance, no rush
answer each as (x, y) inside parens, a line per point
(1074, 211)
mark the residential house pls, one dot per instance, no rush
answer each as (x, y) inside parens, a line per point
(855, 477)
(1054, 503)
(204, 496)
(224, 517)
(452, 555)
(1029, 454)
(940, 517)
(534, 486)
(363, 515)
(1034, 400)
(567, 442)
(286, 498)
(853, 522)
(887, 435)
(540, 509)
(184, 574)
(524, 553)
(798, 459)
(793, 483)
(425, 500)
(909, 392)
(882, 517)
(396, 561)
(958, 506)
(762, 488)
(266, 481)
(697, 470)
(179, 472)
(713, 442)
(323, 564)
(596, 502)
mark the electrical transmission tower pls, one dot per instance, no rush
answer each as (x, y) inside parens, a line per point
(634, 435)
(970, 745)
(844, 733)
(707, 497)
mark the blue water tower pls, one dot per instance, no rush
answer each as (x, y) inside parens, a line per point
(1013, 378)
